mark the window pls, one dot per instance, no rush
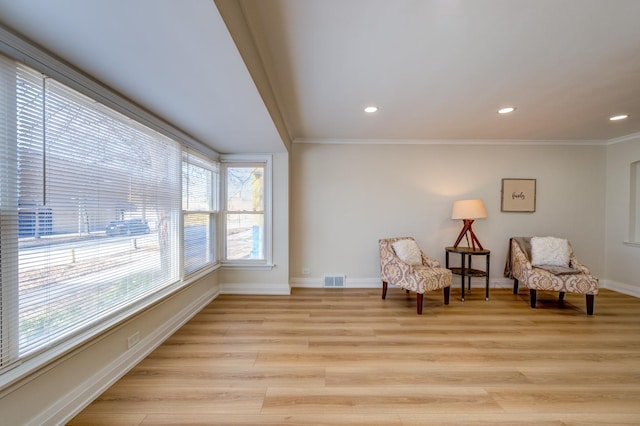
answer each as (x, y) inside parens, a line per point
(90, 205)
(100, 215)
(246, 211)
(634, 203)
(200, 208)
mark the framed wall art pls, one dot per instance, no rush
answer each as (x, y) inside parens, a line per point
(518, 195)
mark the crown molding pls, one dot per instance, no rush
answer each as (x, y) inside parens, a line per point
(626, 138)
(448, 142)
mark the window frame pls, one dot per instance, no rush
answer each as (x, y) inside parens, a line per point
(236, 160)
(162, 155)
(15, 373)
(213, 212)
(634, 205)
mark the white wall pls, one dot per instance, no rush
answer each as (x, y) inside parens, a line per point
(622, 262)
(347, 196)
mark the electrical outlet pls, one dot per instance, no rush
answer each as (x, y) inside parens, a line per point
(133, 340)
(306, 271)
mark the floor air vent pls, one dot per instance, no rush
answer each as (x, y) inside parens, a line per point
(334, 281)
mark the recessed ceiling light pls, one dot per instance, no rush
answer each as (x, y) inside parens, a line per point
(618, 117)
(506, 110)
(371, 109)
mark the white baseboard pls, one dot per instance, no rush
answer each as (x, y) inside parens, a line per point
(74, 402)
(499, 283)
(377, 283)
(276, 289)
(624, 288)
(348, 282)
(307, 282)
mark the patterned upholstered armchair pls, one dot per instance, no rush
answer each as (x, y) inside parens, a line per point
(403, 264)
(528, 264)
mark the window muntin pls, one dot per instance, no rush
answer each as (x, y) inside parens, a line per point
(200, 212)
(245, 211)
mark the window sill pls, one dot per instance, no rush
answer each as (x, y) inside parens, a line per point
(632, 243)
(249, 266)
(196, 275)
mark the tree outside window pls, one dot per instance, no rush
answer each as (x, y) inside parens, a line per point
(245, 212)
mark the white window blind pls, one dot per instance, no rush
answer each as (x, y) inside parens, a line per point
(8, 215)
(200, 207)
(89, 216)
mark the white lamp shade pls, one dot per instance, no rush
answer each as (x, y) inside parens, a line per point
(469, 209)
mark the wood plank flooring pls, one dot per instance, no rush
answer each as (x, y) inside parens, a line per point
(346, 357)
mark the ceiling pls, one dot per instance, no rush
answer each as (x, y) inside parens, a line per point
(174, 58)
(254, 75)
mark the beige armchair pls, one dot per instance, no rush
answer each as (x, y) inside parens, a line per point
(407, 267)
(573, 277)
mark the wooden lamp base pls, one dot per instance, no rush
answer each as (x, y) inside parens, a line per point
(466, 229)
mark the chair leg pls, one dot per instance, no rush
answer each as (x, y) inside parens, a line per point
(532, 297)
(419, 299)
(447, 292)
(515, 286)
(384, 289)
(590, 299)
(561, 295)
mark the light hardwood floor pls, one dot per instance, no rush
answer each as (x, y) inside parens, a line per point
(344, 356)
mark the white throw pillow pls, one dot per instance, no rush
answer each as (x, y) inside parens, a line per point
(550, 251)
(408, 251)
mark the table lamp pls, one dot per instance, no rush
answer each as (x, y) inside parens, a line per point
(468, 210)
